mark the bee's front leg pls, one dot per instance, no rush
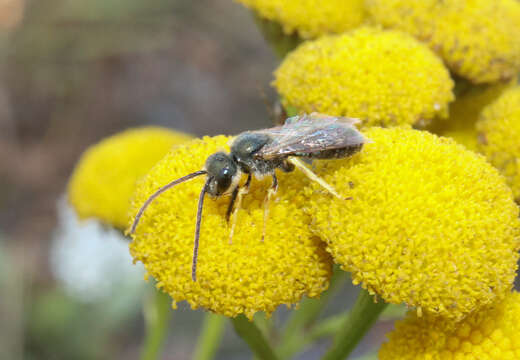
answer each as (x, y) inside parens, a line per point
(231, 203)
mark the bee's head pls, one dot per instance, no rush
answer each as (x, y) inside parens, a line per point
(223, 172)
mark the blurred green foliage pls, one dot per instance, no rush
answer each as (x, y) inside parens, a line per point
(59, 327)
(71, 30)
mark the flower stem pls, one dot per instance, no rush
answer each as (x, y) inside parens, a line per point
(264, 324)
(157, 314)
(332, 324)
(280, 42)
(327, 327)
(291, 110)
(209, 339)
(250, 333)
(361, 318)
(293, 338)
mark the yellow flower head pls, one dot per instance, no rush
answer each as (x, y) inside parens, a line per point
(382, 77)
(311, 18)
(430, 224)
(465, 111)
(490, 334)
(478, 39)
(499, 129)
(104, 179)
(241, 277)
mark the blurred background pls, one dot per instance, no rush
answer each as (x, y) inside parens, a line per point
(71, 73)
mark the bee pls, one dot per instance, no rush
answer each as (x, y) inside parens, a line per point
(259, 153)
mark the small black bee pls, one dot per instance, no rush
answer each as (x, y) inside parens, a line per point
(260, 153)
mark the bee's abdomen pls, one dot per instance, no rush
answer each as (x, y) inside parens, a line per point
(333, 153)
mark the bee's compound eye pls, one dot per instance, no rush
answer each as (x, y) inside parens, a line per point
(224, 179)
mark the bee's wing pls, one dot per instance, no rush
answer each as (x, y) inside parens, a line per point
(310, 134)
(315, 116)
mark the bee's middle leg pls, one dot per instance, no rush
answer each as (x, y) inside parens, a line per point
(237, 195)
(270, 193)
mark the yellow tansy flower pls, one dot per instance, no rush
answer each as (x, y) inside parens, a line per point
(490, 334)
(465, 111)
(499, 129)
(382, 77)
(478, 39)
(241, 277)
(104, 179)
(311, 18)
(430, 224)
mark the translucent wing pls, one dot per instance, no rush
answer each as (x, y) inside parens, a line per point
(311, 134)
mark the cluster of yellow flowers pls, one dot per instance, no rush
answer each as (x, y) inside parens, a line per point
(429, 223)
(391, 77)
(477, 39)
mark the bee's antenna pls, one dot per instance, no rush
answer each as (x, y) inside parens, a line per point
(197, 230)
(159, 192)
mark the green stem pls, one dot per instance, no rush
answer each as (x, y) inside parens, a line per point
(250, 333)
(264, 324)
(209, 339)
(331, 325)
(157, 314)
(280, 42)
(291, 110)
(362, 316)
(292, 339)
(327, 327)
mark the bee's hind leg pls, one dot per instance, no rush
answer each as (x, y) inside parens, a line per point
(301, 166)
(237, 195)
(270, 193)
(286, 166)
